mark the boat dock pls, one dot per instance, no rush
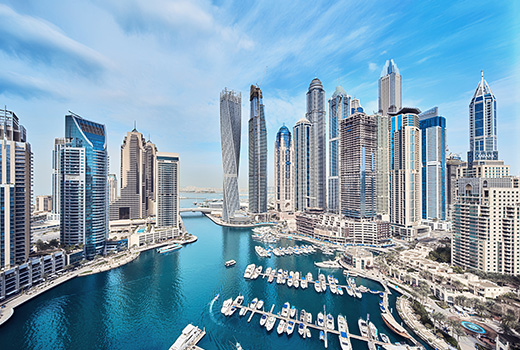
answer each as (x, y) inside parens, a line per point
(309, 325)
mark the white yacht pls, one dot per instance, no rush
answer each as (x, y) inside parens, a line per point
(226, 305)
(384, 338)
(190, 336)
(169, 248)
(340, 290)
(242, 312)
(330, 322)
(249, 271)
(344, 340)
(270, 323)
(320, 319)
(231, 310)
(293, 311)
(308, 315)
(230, 263)
(257, 272)
(301, 329)
(296, 282)
(309, 277)
(372, 331)
(363, 327)
(285, 309)
(317, 286)
(260, 304)
(263, 320)
(290, 327)
(281, 327)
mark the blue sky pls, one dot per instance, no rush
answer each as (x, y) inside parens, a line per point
(164, 63)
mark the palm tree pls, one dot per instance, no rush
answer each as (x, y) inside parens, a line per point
(508, 322)
(438, 317)
(456, 328)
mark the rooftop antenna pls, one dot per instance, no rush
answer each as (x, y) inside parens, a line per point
(135, 126)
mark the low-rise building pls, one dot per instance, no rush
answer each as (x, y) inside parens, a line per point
(144, 236)
(358, 258)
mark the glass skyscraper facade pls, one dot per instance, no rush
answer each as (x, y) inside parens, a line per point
(167, 189)
(15, 191)
(302, 165)
(482, 124)
(257, 153)
(230, 131)
(284, 171)
(390, 89)
(318, 161)
(339, 109)
(433, 159)
(84, 190)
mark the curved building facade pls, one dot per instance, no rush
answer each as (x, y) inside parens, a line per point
(283, 171)
(230, 126)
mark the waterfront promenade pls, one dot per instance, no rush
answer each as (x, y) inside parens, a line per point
(225, 224)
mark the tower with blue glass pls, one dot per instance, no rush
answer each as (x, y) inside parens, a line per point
(84, 190)
(482, 124)
(339, 109)
(257, 153)
(284, 171)
(433, 159)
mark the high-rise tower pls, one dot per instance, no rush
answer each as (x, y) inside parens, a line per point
(302, 165)
(84, 190)
(339, 109)
(433, 159)
(358, 166)
(284, 171)
(316, 116)
(15, 191)
(230, 126)
(390, 89)
(257, 153)
(59, 142)
(167, 193)
(137, 199)
(482, 124)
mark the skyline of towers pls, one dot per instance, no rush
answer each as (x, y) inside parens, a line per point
(137, 179)
(318, 147)
(302, 165)
(15, 191)
(59, 142)
(257, 153)
(230, 132)
(482, 124)
(284, 171)
(358, 166)
(433, 159)
(339, 108)
(167, 193)
(84, 171)
(405, 172)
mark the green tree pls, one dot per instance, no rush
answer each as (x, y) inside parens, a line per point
(508, 322)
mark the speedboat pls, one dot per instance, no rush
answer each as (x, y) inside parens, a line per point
(384, 338)
(290, 281)
(309, 317)
(226, 305)
(340, 290)
(257, 272)
(230, 263)
(263, 319)
(293, 311)
(285, 309)
(301, 329)
(239, 300)
(322, 336)
(333, 288)
(309, 277)
(260, 304)
(317, 286)
(342, 323)
(231, 310)
(270, 323)
(249, 271)
(290, 327)
(302, 315)
(330, 322)
(304, 283)
(281, 327)
(358, 293)
(344, 341)
(242, 311)
(253, 303)
(216, 297)
(372, 330)
(307, 332)
(320, 319)
(349, 291)
(296, 282)
(363, 327)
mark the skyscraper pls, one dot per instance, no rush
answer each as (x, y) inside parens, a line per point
(230, 126)
(59, 142)
(167, 189)
(84, 193)
(358, 166)
(482, 124)
(318, 161)
(433, 158)
(390, 89)
(15, 191)
(137, 198)
(257, 153)
(302, 165)
(284, 171)
(405, 172)
(339, 109)
(112, 188)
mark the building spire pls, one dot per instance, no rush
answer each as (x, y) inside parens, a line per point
(135, 126)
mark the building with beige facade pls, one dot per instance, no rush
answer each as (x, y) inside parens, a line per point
(43, 203)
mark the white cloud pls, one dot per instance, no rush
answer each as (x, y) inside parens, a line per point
(372, 66)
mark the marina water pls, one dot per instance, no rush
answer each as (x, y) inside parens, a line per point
(146, 303)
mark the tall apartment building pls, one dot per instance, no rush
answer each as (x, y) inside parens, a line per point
(390, 89)
(302, 165)
(284, 171)
(389, 101)
(15, 191)
(167, 192)
(318, 161)
(405, 172)
(339, 109)
(433, 158)
(230, 126)
(452, 164)
(483, 168)
(59, 142)
(486, 225)
(112, 188)
(83, 185)
(257, 153)
(482, 124)
(358, 166)
(43, 203)
(137, 198)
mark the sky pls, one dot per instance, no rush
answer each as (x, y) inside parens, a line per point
(163, 64)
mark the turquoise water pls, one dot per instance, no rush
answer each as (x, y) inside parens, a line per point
(146, 303)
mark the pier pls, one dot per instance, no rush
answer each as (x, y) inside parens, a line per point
(308, 325)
